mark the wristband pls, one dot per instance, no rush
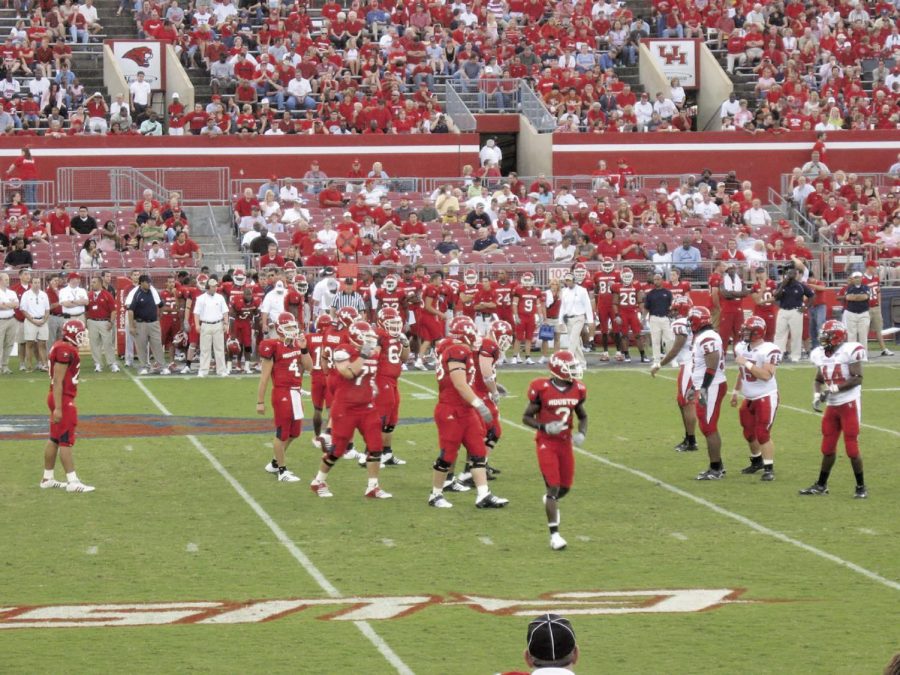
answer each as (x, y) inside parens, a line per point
(304, 350)
(708, 378)
(260, 403)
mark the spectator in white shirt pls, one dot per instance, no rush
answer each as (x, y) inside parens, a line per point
(802, 191)
(507, 234)
(288, 193)
(706, 208)
(643, 111)
(295, 215)
(36, 307)
(140, 95)
(565, 250)
(756, 216)
(664, 107)
(490, 152)
(565, 198)
(814, 167)
(73, 298)
(731, 107)
(89, 12)
(551, 234)
(210, 313)
(327, 235)
(223, 10)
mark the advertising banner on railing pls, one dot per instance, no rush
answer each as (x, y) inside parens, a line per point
(140, 55)
(678, 59)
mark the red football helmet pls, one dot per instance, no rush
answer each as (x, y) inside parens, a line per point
(527, 280)
(290, 269)
(502, 333)
(699, 317)
(390, 319)
(754, 328)
(239, 277)
(579, 272)
(201, 280)
(564, 366)
(74, 331)
(323, 323)
(607, 264)
(627, 276)
(463, 328)
(361, 333)
(390, 283)
(181, 340)
(301, 284)
(286, 325)
(470, 277)
(681, 305)
(347, 316)
(832, 336)
(233, 347)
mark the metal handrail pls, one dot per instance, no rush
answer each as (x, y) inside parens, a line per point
(458, 111)
(532, 106)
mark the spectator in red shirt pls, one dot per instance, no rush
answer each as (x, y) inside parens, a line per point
(388, 255)
(271, 258)
(147, 204)
(58, 222)
(413, 227)
(185, 250)
(330, 196)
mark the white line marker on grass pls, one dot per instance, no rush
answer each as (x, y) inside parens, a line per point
(128, 448)
(363, 626)
(92, 550)
(192, 547)
(388, 542)
(582, 537)
(621, 438)
(753, 525)
(410, 442)
(679, 536)
(487, 541)
(867, 530)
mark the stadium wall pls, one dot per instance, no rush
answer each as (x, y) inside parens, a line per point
(761, 159)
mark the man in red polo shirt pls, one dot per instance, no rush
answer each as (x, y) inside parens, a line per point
(101, 320)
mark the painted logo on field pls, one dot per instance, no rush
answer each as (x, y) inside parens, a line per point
(365, 608)
(29, 427)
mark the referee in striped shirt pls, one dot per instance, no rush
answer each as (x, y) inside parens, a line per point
(348, 296)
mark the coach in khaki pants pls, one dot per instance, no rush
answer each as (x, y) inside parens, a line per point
(210, 314)
(143, 303)
(856, 310)
(9, 302)
(101, 317)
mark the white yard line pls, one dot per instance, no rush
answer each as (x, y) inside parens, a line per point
(91, 550)
(389, 543)
(487, 541)
(753, 525)
(363, 626)
(192, 548)
(679, 536)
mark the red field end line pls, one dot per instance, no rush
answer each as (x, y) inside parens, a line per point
(363, 626)
(752, 524)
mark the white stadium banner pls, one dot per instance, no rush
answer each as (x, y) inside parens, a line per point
(143, 55)
(678, 58)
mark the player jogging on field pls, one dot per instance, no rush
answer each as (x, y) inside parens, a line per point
(680, 354)
(708, 386)
(552, 401)
(838, 385)
(65, 367)
(459, 415)
(284, 360)
(757, 360)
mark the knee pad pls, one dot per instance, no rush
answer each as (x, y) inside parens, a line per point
(329, 460)
(478, 462)
(373, 456)
(387, 428)
(552, 496)
(563, 491)
(441, 465)
(491, 438)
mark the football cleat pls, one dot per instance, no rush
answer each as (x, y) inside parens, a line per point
(439, 502)
(489, 501)
(768, 475)
(320, 489)
(861, 492)
(604, 356)
(886, 352)
(815, 489)
(393, 460)
(288, 477)
(454, 485)
(377, 493)
(684, 446)
(645, 359)
(557, 543)
(753, 468)
(491, 472)
(361, 460)
(711, 474)
(272, 467)
(78, 486)
(50, 483)
(627, 358)
(353, 454)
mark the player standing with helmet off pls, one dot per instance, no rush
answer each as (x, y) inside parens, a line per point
(459, 415)
(552, 401)
(757, 360)
(628, 298)
(284, 360)
(708, 385)
(65, 367)
(603, 283)
(838, 385)
(680, 353)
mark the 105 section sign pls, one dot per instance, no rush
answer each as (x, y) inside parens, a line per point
(368, 608)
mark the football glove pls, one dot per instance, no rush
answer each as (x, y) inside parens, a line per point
(367, 349)
(501, 390)
(832, 389)
(483, 410)
(703, 396)
(819, 400)
(403, 340)
(578, 439)
(555, 428)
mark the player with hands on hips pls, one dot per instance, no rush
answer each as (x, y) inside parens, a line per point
(552, 401)
(757, 360)
(283, 361)
(838, 386)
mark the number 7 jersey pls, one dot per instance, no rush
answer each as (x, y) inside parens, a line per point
(556, 405)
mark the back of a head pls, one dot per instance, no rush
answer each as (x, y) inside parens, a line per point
(550, 642)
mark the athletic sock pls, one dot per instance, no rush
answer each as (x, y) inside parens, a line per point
(373, 482)
(756, 459)
(554, 527)
(386, 453)
(482, 490)
(436, 492)
(769, 465)
(691, 439)
(320, 477)
(72, 477)
(859, 479)
(48, 474)
(643, 355)
(823, 478)
(715, 466)
(275, 463)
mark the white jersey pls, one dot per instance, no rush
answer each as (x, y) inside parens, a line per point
(680, 326)
(707, 342)
(767, 352)
(835, 369)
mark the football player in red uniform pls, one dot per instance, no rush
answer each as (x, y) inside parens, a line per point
(603, 283)
(389, 295)
(65, 367)
(838, 385)
(393, 348)
(680, 354)
(676, 285)
(459, 415)
(169, 325)
(551, 403)
(627, 301)
(431, 317)
(321, 356)
(485, 305)
(504, 289)
(467, 293)
(245, 313)
(528, 309)
(190, 291)
(355, 363)
(763, 293)
(284, 360)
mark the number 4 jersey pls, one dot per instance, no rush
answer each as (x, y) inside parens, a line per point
(835, 369)
(556, 405)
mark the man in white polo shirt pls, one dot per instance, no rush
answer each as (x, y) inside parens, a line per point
(210, 314)
(35, 305)
(9, 302)
(73, 298)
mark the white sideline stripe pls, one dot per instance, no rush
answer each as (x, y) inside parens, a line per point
(128, 448)
(869, 391)
(231, 150)
(867, 530)
(307, 564)
(752, 524)
(679, 536)
(92, 550)
(712, 147)
(582, 537)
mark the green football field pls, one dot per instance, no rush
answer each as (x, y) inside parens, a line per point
(190, 558)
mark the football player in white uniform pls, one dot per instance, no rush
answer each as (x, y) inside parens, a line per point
(838, 385)
(708, 385)
(680, 354)
(757, 361)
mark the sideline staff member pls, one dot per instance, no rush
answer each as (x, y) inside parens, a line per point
(143, 303)
(658, 302)
(576, 309)
(210, 312)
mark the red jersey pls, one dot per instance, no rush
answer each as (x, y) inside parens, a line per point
(679, 289)
(170, 303)
(874, 284)
(315, 342)
(728, 304)
(556, 405)
(393, 299)
(67, 354)
(767, 304)
(287, 371)
(389, 363)
(504, 293)
(603, 282)
(529, 300)
(467, 307)
(361, 390)
(483, 296)
(334, 337)
(245, 311)
(491, 350)
(451, 354)
(628, 297)
(438, 301)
